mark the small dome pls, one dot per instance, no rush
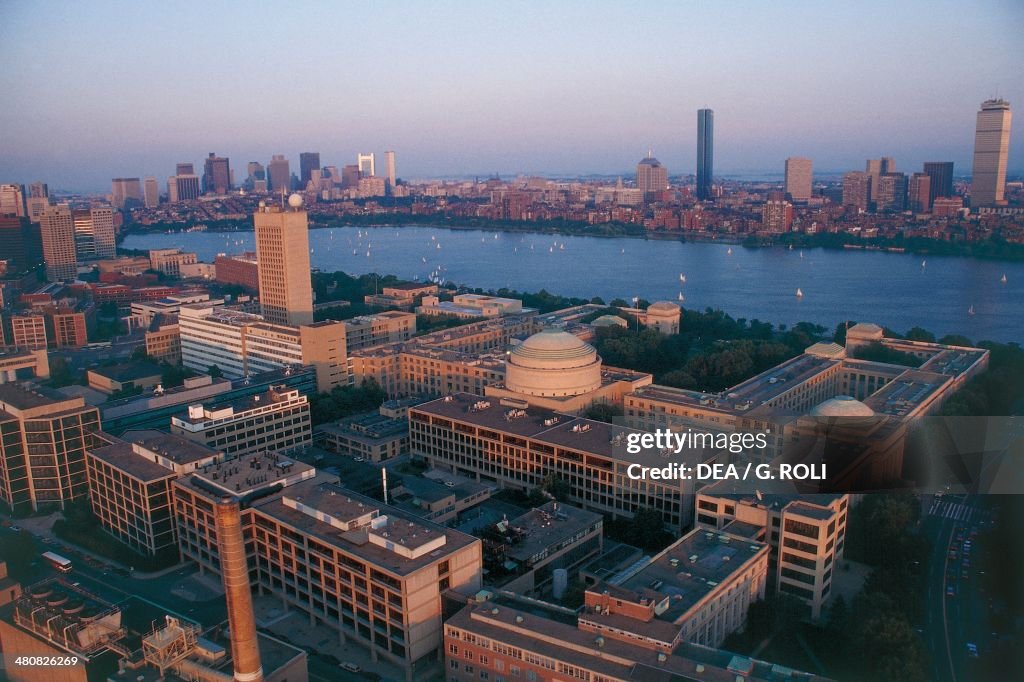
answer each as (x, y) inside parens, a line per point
(295, 200)
(553, 363)
(663, 308)
(842, 406)
(553, 348)
(865, 329)
(610, 321)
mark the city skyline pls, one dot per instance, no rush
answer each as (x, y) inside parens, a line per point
(137, 127)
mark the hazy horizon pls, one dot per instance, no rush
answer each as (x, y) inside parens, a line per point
(106, 89)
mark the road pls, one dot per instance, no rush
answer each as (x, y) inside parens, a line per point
(956, 604)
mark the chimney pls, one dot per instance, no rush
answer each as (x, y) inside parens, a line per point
(245, 652)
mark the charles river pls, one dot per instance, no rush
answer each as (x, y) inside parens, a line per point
(944, 294)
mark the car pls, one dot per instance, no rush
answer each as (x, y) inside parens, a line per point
(450, 484)
(16, 529)
(349, 666)
(950, 591)
(972, 649)
(360, 459)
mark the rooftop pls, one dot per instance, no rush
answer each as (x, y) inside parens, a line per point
(121, 456)
(547, 526)
(129, 371)
(177, 449)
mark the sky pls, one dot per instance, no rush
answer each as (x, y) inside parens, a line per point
(96, 90)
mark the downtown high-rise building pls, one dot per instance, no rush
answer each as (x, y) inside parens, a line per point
(183, 188)
(799, 178)
(705, 152)
(857, 190)
(184, 169)
(38, 190)
(890, 192)
(216, 175)
(919, 193)
(12, 200)
(940, 179)
(125, 190)
(991, 153)
(94, 233)
(777, 216)
(389, 164)
(282, 256)
(57, 229)
(278, 174)
(875, 168)
(150, 192)
(651, 176)
(308, 162)
(366, 165)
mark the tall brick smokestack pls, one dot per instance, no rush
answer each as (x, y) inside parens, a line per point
(245, 650)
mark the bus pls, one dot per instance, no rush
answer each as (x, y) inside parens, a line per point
(57, 561)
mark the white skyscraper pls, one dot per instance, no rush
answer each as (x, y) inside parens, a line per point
(991, 152)
(389, 162)
(799, 178)
(365, 163)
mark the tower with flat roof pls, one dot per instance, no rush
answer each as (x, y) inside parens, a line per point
(705, 152)
(991, 152)
(282, 255)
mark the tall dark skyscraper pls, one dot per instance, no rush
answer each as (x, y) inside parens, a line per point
(216, 175)
(940, 178)
(705, 152)
(308, 162)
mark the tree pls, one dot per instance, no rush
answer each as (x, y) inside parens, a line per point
(919, 334)
(215, 371)
(556, 487)
(603, 412)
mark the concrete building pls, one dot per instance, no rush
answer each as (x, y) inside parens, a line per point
(43, 438)
(308, 162)
(186, 187)
(57, 228)
(919, 193)
(277, 421)
(124, 377)
(777, 216)
(890, 194)
(23, 365)
(991, 153)
(125, 191)
(282, 255)
(29, 331)
(799, 178)
(130, 486)
(512, 446)
(651, 176)
(163, 341)
(373, 572)
(278, 175)
(470, 306)
(94, 233)
(373, 436)
(857, 190)
(392, 174)
(170, 261)
(150, 192)
(12, 200)
(807, 535)
(402, 296)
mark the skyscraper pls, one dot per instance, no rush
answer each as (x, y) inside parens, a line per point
(94, 233)
(705, 152)
(777, 216)
(890, 192)
(58, 234)
(183, 188)
(857, 190)
(282, 256)
(184, 169)
(799, 178)
(278, 174)
(216, 175)
(920, 193)
(12, 200)
(308, 162)
(124, 190)
(651, 176)
(389, 162)
(991, 151)
(875, 168)
(366, 166)
(940, 176)
(38, 190)
(150, 192)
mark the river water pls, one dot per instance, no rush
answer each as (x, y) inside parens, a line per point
(896, 290)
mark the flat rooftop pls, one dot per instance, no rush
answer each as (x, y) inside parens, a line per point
(547, 526)
(129, 371)
(402, 528)
(243, 475)
(692, 568)
(177, 449)
(121, 456)
(26, 398)
(904, 393)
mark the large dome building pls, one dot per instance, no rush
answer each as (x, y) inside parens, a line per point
(553, 363)
(556, 370)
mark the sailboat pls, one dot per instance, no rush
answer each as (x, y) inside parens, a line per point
(424, 259)
(495, 235)
(799, 293)
(355, 251)
(1003, 278)
(681, 297)
(729, 251)
(551, 249)
(924, 264)
(682, 278)
(439, 245)
(970, 311)
(801, 253)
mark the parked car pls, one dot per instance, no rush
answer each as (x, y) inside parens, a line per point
(349, 666)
